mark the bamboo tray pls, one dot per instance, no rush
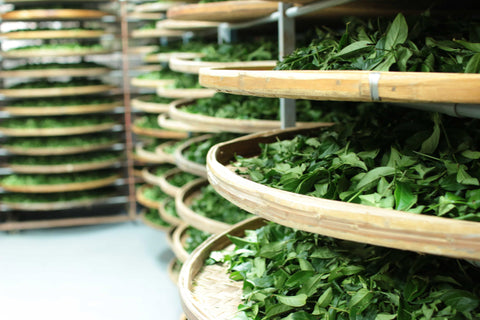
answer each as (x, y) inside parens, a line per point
(46, 132)
(39, 73)
(64, 168)
(155, 6)
(147, 68)
(61, 110)
(74, 186)
(166, 122)
(186, 25)
(144, 201)
(187, 165)
(150, 178)
(55, 92)
(57, 151)
(161, 153)
(153, 33)
(224, 11)
(179, 237)
(159, 133)
(146, 15)
(38, 53)
(142, 49)
(200, 285)
(173, 270)
(166, 56)
(174, 221)
(50, 206)
(149, 107)
(166, 187)
(150, 83)
(184, 199)
(214, 124)
(347, 85)
(186, 65)
(354, 222)
(53, 14)
(185, 93)
(53, 34)
(151, 224)
(150, 157)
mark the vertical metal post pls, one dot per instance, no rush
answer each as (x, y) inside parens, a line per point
(286, 44)
(226, 34)
(132, 206)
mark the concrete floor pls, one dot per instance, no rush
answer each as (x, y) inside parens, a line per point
(94, 272)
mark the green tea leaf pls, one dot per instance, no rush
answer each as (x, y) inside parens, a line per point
(397, 33)
(293, 301)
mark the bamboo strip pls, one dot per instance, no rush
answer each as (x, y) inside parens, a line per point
(187, 165)
(41, 73)
(185, 65)
(64, 168)
(57, 151)
(61, 110)
(55, 92)
(53, 34)
(44, 132)
(51, 14)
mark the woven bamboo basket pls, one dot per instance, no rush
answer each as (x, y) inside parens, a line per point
(146, 15)
(159, 133)
(53, 34)
(166, 187)
(38, 53)
(41, 73)
(354, 222)
(174, 221)
(224, 11)
(187, 165)
(44, 132)
(150, 157)
(144, 201)
(149, 107)
(74, 186)
(199, 285)
(193, 66)
(228, 125)
(149, 83)
(51, 206)
(55, 92)
(186, 25)
(151, 224)
(165, 57)
(347, 85)
(64, 168)
(166, 122)
(173, 270)
(61, 110)
(149, 177)
(153, 33)
(57, 151)
(184, 199)
(155, 6)
(185, 93)
(161, 153)
(52, 14)
(179, 238)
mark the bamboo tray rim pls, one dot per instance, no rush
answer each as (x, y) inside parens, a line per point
(216, 124)
(178, 238)
(144, 201)
(53, 34)
(185, 93)
(159, 133)
(44, 132)
(174, 221)
(58, 72)
(160, 152)
(166, 122)
(166, 187)
(186, 25)
(166, 56)
(150, 107)
(147, 33)
(54, 205)
(183, 200)
(146, 15)
(187, 165)
(151, 224)
(52, 53)
(58, 150)
(354, 222)
(347, 85)
(55, 92)
(150, 83)
(74, 186)
(62, 110)
(196, 305)
(155, 6)
(223, 11)
(181, 64)
(150, 177)
(151, 157)
(64, 168)
(47, 14)
(172, 273)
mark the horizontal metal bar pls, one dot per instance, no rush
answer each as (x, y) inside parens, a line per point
(451, 109)
(317, 6)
